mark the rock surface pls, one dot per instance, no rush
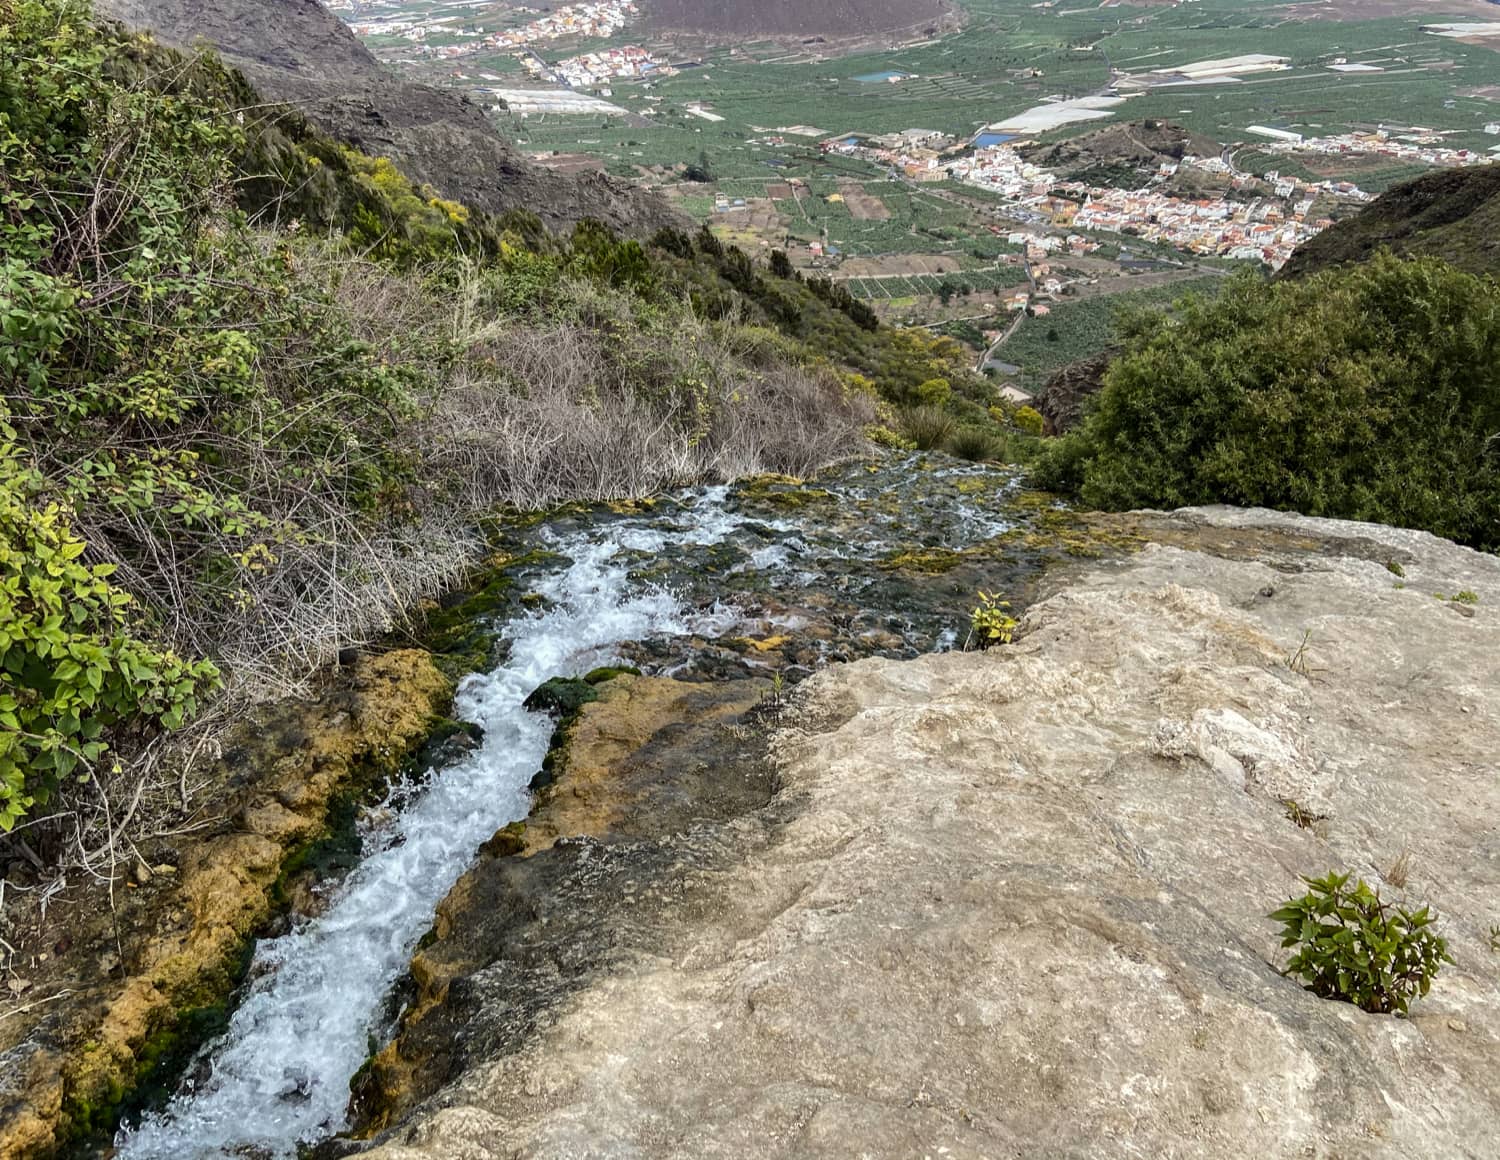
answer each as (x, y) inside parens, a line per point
(1014, 903)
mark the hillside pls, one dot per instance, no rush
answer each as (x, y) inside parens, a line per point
(298, 52)
(1453, 214)
(832, 19)
(1132, 148)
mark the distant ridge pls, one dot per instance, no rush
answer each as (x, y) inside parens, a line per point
(298, 52)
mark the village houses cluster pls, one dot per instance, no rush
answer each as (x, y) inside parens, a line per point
(459, 37)
(1264, 229)
(1418, 147)
(596, 68)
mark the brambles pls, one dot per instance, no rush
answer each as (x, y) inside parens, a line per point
(1353, 947)
(990, 623)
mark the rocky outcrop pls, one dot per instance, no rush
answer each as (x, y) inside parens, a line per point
(1063, 400)
(134, 974)
(1015, 902)
(298, 52)
(1453, 214)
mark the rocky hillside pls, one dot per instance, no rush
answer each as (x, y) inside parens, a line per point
(298, 52)
(1014, 896)
(1453, 214)
(832, 19)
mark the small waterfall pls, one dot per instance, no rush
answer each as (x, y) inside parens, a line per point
(280, 1074)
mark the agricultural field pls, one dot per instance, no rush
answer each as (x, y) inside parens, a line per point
(753, 117)
(1077, 328)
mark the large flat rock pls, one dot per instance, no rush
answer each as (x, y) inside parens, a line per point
(1013, 904)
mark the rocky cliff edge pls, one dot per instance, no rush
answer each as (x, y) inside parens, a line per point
(1015, 903)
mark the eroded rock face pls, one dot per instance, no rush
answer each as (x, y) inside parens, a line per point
(299, 53)
(1014, 903)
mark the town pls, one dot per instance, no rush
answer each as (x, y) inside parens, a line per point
(1263, 227)
(451, 36)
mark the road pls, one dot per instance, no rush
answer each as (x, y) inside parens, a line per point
(1009, 330)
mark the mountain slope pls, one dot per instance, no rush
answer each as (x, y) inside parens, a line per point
(298, 52)
(1453, 214)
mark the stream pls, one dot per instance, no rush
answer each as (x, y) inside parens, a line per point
(877, 558)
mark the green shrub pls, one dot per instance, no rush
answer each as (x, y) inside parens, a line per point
(1368, 393)
(976, 444)
(1353, 947)
(935, 393)
(70, 669)
(1029, 420)
(928, 427)
(990, 623)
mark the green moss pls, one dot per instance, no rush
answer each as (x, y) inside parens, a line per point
(562, 697)
(89, 1121)
(602, 675)
(507, 842)
(930, 561)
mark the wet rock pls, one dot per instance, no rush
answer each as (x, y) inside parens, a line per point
(71, 1062)
(1021, 896)
(648, 760)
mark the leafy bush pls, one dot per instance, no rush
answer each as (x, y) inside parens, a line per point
(70, 669)
(991, 622)
(1353, 947)
(1369, 393)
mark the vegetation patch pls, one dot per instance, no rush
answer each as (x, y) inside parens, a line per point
(1354, 947)
(1369, 393)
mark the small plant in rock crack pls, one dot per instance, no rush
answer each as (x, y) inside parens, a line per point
(1495, 939)
(1300, 816)
(1356, 948)
(773, 700)
(1300, 661)
(991, 623)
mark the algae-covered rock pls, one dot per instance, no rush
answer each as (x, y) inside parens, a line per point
(122, 1023)
(1015, 903)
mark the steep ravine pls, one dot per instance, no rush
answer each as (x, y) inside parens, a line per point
(1010, 903)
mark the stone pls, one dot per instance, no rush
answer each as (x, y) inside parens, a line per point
(1014, 903)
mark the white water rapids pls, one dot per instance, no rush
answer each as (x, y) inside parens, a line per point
(280, 1073)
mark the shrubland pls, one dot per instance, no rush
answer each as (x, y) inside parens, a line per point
(256, 390)
(1368, 392)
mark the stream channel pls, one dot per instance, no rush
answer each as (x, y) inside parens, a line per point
(768, 576)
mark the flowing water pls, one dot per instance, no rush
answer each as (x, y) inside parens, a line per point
(676, 590)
